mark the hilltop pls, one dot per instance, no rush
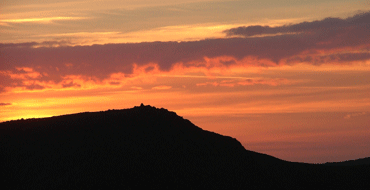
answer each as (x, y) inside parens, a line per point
(147, 147)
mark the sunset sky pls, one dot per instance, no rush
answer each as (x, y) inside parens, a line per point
(287, 78)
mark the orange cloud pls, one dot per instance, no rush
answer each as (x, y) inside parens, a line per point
(37, 20)
(208, 83)
(247, 82)
(162, 87)
(22, 73)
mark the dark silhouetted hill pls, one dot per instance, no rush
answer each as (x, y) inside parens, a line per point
(357, 162)
(148, 148)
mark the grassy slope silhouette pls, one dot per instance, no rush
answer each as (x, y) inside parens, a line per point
(146, 147)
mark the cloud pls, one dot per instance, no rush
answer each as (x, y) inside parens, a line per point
(341, 58)
(325, 26)
(34, 87)
(136, 87)
(38, 20)
(162, 87)
(351, 115)
(5, 104)
(335, 39)
(247, 82)
(329, 41)
(70, 84)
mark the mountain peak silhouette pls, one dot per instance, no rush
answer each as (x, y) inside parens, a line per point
(148, 147)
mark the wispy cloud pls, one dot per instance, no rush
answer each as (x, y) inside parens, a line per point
(38, 20)
(5, 104)
(168, 33)
(247, 82)
(351, 115)
(136, 87)
(162, 87)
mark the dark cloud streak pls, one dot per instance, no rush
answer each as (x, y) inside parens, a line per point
(333, 25)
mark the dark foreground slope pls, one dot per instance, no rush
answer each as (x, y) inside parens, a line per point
(361, 161)
(146, 147)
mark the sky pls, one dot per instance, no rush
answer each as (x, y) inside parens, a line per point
(286, 78)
